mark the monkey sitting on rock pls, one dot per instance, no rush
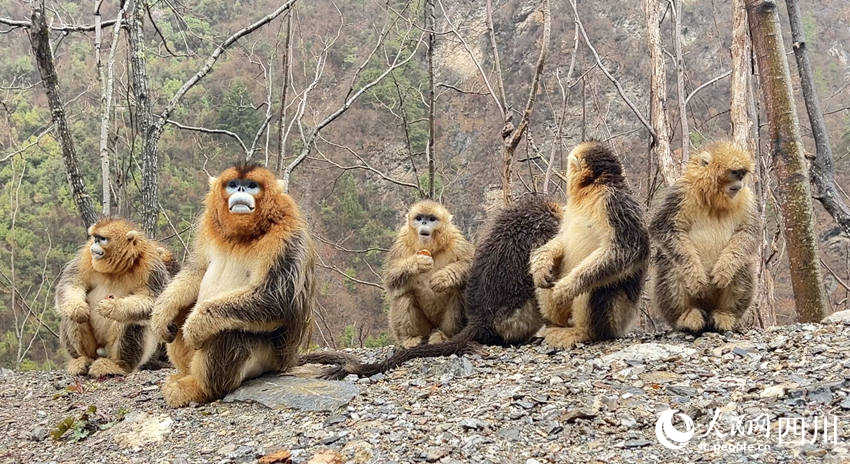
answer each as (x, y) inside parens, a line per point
(243, 305)
(704, 234)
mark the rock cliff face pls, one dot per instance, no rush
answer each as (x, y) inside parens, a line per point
(605, 403)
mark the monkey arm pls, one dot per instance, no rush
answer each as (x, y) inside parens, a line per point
(399, 272)
(137, 306)
(670, 234)
(71, 293)
(627, 250)
(543, 260)
(738, 252)
(282, 296)
(454, 275)
(178, 295)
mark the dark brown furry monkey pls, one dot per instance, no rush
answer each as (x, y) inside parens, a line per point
(704, 235)
(104, 298)
(499, 296)
(590, 276)
(425, 275)
(243, 305)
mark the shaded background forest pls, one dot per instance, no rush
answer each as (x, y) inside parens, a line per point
(368, 165)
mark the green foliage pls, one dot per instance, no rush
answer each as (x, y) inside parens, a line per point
(382, 339)
(349, 339)
(237, 114)
(76, 429)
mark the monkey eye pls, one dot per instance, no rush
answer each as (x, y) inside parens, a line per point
(231, 184)
(252, 185)
(418, 217)
(432, 218)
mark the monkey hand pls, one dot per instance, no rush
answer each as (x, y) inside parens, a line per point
(721, 275)
(196, 330)
(696, 280)
(108, 308)
(162, 324)
(442, 280)
(565, 291)
(78, 312)
(543, 278)
(422, 263)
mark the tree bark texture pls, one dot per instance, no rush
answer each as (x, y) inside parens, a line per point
(787, 152)
(40, 41)
(822, 172)
(658, 94)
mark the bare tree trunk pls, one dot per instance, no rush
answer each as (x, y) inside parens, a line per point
(430, 25)
(676, 5)
(150, 138)
(106, 81)
(741, 113)
(660, 144)
(44, 59)
(287, 65)
(822, 172)
(741, 70)
(787, 153)
(512, 136)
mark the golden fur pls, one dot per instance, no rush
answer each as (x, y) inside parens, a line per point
(590, 275)
(705, 240)
(426, 291)
(244, 304)
(106, 302)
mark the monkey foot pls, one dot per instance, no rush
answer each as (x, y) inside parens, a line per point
(437, 337)
(78, 366)
(411, 342)
(103, 367)
(566, 337)
(724, 321)
(181, 389)
(692, 320)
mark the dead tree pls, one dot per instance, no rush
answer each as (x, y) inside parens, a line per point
(787, 153)
(660, 144)
(822, 172)
(511, 136)
(44, 59)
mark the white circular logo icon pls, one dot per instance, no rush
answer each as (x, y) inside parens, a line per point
(668, 435)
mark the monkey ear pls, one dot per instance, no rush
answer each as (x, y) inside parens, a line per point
(281, 185)
(212, 180)
(133, 235)
(91, 230)
(704, 158)
(449, 219)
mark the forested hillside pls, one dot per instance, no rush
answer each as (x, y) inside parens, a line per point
(336, 96)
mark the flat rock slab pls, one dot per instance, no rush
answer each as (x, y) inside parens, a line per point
(649, 352)
(285, 391)
(140, 428)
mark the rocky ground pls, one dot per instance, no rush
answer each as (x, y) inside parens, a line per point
(530, 404)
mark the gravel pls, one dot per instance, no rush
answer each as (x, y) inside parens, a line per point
(593, 404)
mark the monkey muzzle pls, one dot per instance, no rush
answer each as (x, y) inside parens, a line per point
(241, 203)
(97, 252)
(733, 189)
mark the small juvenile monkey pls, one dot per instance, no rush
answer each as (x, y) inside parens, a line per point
(499, 296)
(590, 276)
(104, 299)
(704, 234)
(244, 303)
(425, 274)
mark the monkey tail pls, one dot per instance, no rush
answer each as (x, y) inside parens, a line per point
(347, 364)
